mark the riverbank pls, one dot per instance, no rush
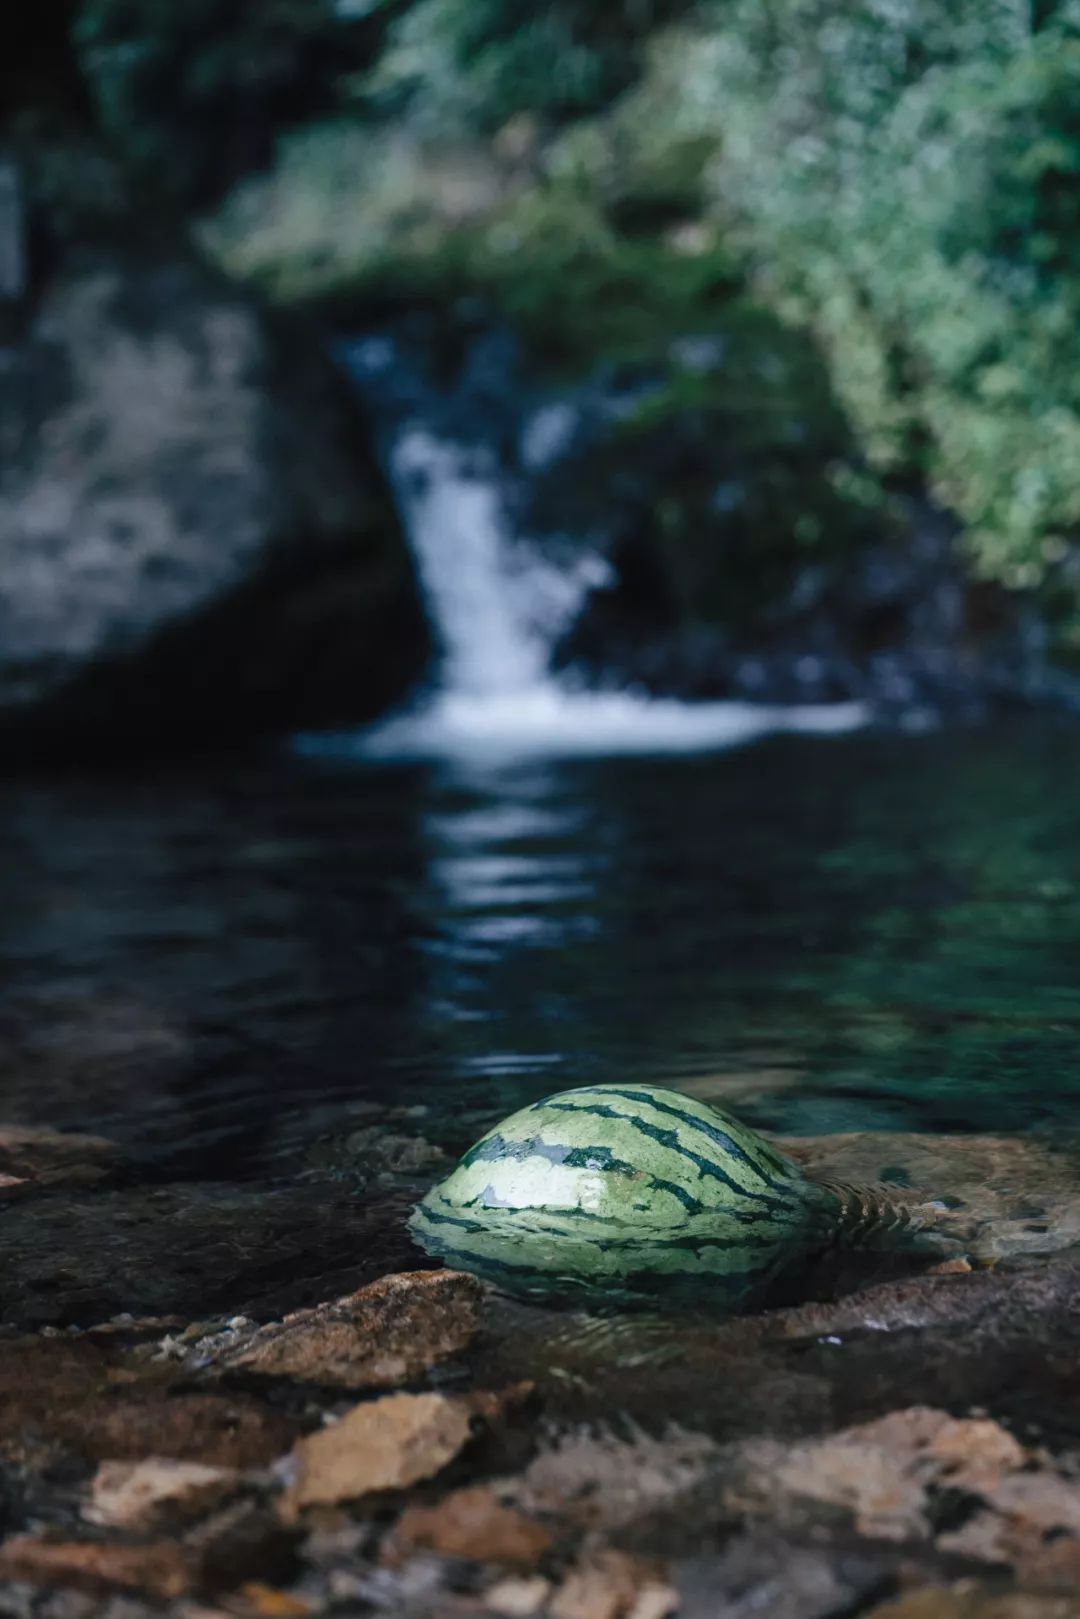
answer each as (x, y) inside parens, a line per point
(344, 1434)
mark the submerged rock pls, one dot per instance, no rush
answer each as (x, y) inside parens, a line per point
(386, 1445)
(471, 1523)
(158, 1569)
(193, 540)
(997, 1195)
(610, 1584)
(759, 1574)
(156, 1492)
(36, 1154)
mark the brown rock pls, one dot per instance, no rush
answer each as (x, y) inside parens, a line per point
(47, 1387)
(89, 1397)
(216, 1429)
(517, 1598)
(266, 1602)
(885, 1500)
(609, 1584)
(150, 1494)
(50, 1157)
(976, 1452)
(1032, 1522)
(881, 1471)
(491, 1404)
(385, 1445)
(472, 1523)
(159, 1570)
(388, 1333)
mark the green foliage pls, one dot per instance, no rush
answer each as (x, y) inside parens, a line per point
(597, 246)
(473, 64)
(899, 179)
(586, 251)
(906, 177)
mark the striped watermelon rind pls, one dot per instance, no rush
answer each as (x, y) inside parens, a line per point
(625, 1185)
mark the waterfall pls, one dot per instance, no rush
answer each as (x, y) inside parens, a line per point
(498, 606)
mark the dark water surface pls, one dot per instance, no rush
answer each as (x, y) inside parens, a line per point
(873, 932)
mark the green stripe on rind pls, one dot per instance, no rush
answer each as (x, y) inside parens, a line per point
(669, 1139)
(750, 1150)
(590, 1262)
(515, 1229)
(725, 1133)
(632, 1288)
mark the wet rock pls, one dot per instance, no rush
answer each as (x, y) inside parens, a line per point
(387, 1334)
(877, 1473)
(46, 1157)
(154, 1493)
(884, 1473)
(156, 1570)
(471, 1523)
(244, 1541)
(419, 1588)
(218, 1430)
(919, 1474)
(974, 1453)
(47, 1386)
(262, 1601)
(194, 540)
(383, 1152)
(610, 1584)
(130, 1329)
(92, 1399)
(516, 1597)
(602, 1481)
(385, 1445)
(1004, 1195)
(1030, 1521)
(759, 1575)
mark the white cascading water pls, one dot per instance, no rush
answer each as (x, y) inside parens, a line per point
(497, 609)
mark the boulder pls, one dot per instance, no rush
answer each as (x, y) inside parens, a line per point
(195, 543)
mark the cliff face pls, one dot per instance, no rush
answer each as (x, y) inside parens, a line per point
(193, 538)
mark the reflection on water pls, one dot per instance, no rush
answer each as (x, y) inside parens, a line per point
(853, 933)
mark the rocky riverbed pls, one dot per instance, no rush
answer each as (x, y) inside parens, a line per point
(295, 1415)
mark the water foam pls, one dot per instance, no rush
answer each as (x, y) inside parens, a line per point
(498, 608)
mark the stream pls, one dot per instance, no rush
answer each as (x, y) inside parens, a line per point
(831, 934)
